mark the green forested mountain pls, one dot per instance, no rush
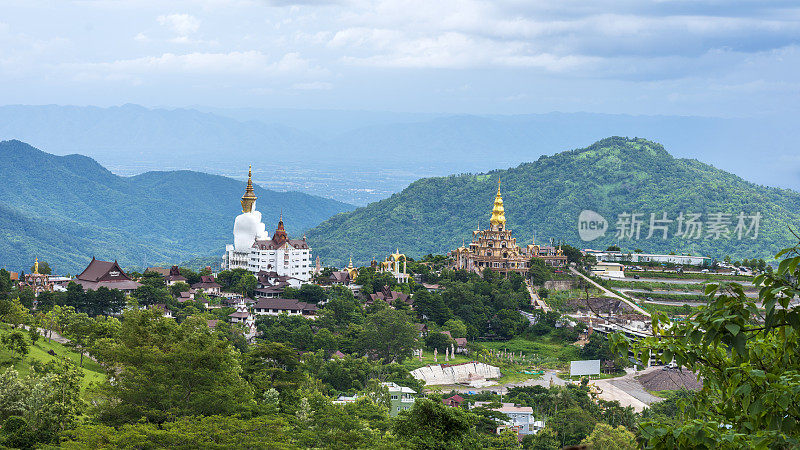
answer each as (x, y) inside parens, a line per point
(66, 209)
(613, 176)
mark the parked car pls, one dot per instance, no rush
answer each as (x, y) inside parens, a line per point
(636, 277)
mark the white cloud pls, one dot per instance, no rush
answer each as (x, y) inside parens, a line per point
(246, 63)
(181, 24)
(313, 86)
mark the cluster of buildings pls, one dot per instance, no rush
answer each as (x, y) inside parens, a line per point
(401, 398)
(497, 248)
(254, 250)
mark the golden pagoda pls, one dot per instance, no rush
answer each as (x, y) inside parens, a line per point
(351, 270)
(249, 197)
(498, 212)
(496, 248)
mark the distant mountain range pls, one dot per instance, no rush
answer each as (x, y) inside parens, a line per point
(66, 209)
(363, 156)
(611, 177)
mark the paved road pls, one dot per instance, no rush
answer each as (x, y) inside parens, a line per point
(536, 302)
(611, 294)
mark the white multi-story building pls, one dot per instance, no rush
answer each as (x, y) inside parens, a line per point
(520, 418)
(255, 251)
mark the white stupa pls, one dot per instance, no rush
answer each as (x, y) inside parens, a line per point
(254, 250)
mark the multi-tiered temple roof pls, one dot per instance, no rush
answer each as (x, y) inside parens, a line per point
(497, 248)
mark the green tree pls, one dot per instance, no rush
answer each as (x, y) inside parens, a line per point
(749, 360)
(606, 437)
(15, 313)
(47, 400)
(431, 425)
(573, 254)
(16, 343)
(6, 286)
(79, 330)
(389, 335)
(341, 311)
(45, 301)
(326, 341)
(176, 288)
(216, 431)
(312, 293)
(508, 323)
(571, 425)
(456, 328)
(162, 370)
(439, 341)
(26, 297)
(431, 306)
(148, 294)
(538, 272)
(271, 365)
(246, 285)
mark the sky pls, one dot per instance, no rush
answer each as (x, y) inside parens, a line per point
(687, 57)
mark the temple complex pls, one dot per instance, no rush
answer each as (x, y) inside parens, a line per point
(38, 282)
(497, 248)
(392, 265)
(256, 251)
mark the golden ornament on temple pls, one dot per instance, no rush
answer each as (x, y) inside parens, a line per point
(249, 197)
(498, 212)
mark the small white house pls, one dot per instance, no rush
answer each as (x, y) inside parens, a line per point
(520, 418)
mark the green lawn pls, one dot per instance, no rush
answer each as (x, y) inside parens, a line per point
(93, 373)
(541, 353)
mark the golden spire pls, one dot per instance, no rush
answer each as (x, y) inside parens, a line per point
(36, 267)
(249, 197)
(498, 212)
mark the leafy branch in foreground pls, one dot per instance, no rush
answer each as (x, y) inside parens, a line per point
(747, 352)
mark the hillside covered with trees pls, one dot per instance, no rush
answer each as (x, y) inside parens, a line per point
(66, 209)
(613, 176)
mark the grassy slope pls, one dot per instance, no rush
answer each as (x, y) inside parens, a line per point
(93, 373)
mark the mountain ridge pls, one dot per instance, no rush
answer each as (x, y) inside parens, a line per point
(360, 157)
(156, 217)
(612, 176)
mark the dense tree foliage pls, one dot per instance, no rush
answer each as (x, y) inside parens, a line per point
(749, 358)
(162, 370)
(38, 407)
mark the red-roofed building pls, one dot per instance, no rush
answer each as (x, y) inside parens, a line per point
(389, 296)
(454, 401)
(105, 274)
(276, 306)
(174, 276)
(208, 285)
